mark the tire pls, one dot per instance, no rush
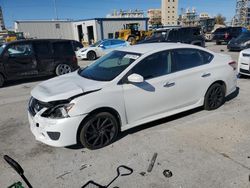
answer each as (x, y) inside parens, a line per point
(91, 55)
(1, 80)
(131, 40)
(215, 97)
(99, 130)
(63, 69)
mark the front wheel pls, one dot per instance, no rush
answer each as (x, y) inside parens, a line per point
(91, 55)
(99, 130)
(63, 69)
(215, 97)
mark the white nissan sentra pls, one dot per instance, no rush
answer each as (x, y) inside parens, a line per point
(126, 88)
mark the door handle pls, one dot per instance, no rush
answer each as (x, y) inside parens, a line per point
(206, 75)
(169, 84)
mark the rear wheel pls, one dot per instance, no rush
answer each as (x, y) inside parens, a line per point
(91, 55)
(214, 97)
(63, 69)
(99, 130)
(1, 80)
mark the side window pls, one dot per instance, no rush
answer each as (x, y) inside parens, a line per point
(42, 49)
(173, 35)
(106, 43)
(62, 48)
(20, 50)
(154, 65)
(116, 42)
(189, 58)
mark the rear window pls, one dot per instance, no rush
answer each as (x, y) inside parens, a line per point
(63, 48)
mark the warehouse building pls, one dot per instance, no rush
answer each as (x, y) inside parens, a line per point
(88, 30)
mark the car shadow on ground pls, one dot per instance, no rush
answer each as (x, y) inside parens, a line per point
(160, 121)
(25, 81)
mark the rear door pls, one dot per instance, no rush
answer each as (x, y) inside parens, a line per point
(43, 54)
(20, 60)
(63, 53)
(192, 74)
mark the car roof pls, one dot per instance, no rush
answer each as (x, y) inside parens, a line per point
(155, 47)
(38, 40)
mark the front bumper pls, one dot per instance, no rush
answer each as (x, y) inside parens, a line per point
(82, 55)
(244, 65)
(46, 130)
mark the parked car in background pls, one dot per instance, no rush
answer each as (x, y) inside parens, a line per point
(126, 88)
(244, 62)
(221, 35)
(240, 43)
(188, 35)
(100, 48)
(36, 57)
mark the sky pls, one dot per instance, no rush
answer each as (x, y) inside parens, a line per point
(83, 9)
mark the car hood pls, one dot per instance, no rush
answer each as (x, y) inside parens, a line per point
(65, 87)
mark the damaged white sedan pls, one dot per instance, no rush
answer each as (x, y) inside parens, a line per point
(127, 88)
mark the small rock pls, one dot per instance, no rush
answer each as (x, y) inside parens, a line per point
(142, 173)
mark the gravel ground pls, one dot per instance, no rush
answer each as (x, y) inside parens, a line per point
(202, 148)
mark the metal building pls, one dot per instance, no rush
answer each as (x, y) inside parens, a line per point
(242, 17)
(87, 30)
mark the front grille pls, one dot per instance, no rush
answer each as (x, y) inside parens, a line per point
(36, 105)
(245, 71)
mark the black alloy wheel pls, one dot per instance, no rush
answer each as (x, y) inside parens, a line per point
(91, 55)
(215, 97)
(99, 131)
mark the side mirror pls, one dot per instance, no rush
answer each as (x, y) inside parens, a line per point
(135, 78)
(101, 46)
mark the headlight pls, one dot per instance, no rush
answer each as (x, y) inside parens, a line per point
(84, 50)
(59, 111)
(245, 43)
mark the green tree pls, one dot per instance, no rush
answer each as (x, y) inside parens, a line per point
(219, 19)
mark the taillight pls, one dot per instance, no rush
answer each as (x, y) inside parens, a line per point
(226, 35)
(233, 64)
(74, 59)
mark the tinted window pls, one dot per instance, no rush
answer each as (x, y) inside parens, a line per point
(188, 58)
(63, 48)
(21, 49)
(154, 65)
(107, 43)
(42, 49)
(115, 42)
(77, 45)
(173, 35)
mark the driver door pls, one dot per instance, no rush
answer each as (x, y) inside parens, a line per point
(156, 94)
(20, 61)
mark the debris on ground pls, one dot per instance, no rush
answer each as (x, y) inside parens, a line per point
(142, 173)
(61, 176)
(151, 164)
(167, 173)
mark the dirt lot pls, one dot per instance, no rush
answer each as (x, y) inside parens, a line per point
(201, 148)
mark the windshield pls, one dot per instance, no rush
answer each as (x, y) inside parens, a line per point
(96, 44)
(243, 37)
(109, 66)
